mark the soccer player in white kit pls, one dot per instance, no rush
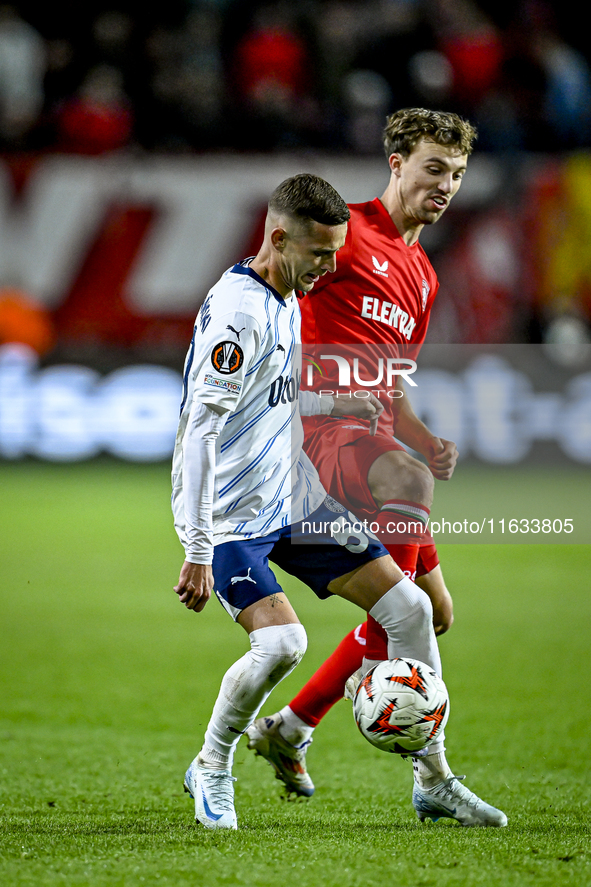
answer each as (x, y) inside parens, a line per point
(242, 486)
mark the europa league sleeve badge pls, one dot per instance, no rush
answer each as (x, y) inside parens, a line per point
(227, 358)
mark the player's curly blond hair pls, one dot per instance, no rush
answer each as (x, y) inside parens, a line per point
(404, 130)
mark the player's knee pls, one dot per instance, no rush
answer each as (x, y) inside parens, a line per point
(423, 609)
(418, 621)
(398, 475)
(281, 647)
(408, 605)
(294, 643)
(417, 610)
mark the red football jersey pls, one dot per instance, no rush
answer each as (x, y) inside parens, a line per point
(381, 291)
(379, 298)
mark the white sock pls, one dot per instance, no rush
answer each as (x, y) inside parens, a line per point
(368, 664)
(275, 652)
(293, 729)
(406, 615)
(432, 768)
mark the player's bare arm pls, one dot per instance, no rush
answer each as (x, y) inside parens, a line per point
(195, 585)
(433, 584)
(441, 454)
(443, 461)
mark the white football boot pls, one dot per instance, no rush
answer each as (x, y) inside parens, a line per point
(288, 761)
(352, 685)
(213, 793)
(453, 800)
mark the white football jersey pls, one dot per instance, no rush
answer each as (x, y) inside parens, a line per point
(245, 360)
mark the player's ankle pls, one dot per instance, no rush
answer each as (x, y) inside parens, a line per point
(293, 729)
(210, 759)
(431, 770)
(367, 665)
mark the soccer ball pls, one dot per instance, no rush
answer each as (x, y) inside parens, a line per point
(401, 706)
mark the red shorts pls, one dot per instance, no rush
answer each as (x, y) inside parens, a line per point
(343, 452)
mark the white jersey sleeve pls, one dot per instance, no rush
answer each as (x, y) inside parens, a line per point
(203, 428)
(312, 404)
(217, 366)
(223, 358)
(245, 476)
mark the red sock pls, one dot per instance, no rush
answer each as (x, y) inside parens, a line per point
(376, 644)
(406, 556)
(327, 685)
(402, 530)
(428, 557)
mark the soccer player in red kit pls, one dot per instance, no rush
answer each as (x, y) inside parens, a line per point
(380, 296)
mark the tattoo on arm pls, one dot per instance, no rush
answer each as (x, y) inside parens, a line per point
(275, 599)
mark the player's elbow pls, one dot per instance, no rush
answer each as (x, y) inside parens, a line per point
(443, 623)
(443, 613)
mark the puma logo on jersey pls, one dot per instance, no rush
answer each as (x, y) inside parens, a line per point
(236, 332)
(246, 578)
(380, 268)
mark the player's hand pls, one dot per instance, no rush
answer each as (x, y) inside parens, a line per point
(442, 458)
(359, 407)
(195, 585)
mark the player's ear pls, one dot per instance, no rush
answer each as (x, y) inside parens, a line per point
(395, 163)
(278, 238)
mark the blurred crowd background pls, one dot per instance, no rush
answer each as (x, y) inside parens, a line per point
(202, 75)
(139, 144)
(195, 83)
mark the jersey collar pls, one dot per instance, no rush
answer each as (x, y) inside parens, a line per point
(243, 267)
(389, 224)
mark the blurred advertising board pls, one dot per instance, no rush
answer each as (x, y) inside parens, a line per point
(502, 405)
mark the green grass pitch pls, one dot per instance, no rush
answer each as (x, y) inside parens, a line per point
(106, 684)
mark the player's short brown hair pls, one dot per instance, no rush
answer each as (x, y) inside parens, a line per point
(308, 197)
(404, 130)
